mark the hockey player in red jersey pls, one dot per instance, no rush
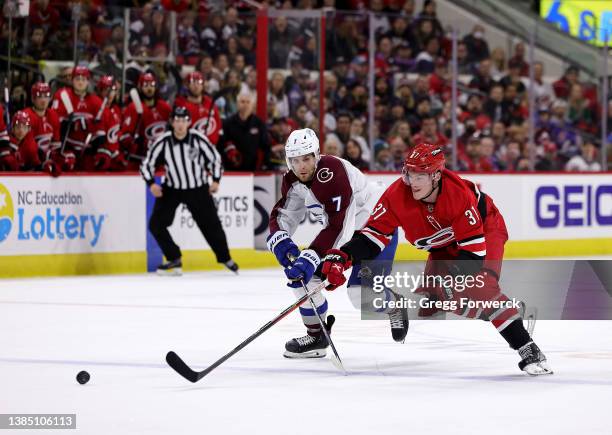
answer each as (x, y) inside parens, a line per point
(108, 155)
(340, 197)
(83, 127)
(3, 131)
(45, 122)
(461, 228)
(24, 155)
(200, 106)
(139, 130)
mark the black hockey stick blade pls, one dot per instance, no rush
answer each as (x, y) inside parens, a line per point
(181, 368)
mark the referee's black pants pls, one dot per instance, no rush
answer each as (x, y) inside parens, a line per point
(202, 207)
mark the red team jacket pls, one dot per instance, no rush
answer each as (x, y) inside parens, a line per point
(150, 125)
(45, 129)
(454, 222)
(86, 109)
(199, 116)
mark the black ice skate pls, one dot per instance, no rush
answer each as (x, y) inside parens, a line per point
(231, 265)
(399, 322)
(533, 360)
(170, 268)
(309, 346)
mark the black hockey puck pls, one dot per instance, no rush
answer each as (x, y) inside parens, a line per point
(82, 377)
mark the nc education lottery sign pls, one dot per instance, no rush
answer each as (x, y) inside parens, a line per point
(234, 202)
(44, 215)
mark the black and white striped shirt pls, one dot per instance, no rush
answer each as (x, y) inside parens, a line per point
(188, 161)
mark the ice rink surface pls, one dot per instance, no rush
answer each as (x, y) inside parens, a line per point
(450, 377)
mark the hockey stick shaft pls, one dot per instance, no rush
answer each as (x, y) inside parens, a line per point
(335, 357)
(69, 111)
(184, 370)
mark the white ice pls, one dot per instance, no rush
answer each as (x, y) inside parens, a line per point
(454, 377)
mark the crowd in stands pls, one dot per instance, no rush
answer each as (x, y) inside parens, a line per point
(412, 83)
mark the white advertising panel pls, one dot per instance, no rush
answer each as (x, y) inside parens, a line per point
(86, 214)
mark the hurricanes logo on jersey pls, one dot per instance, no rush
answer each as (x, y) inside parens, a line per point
(201, 123)
(155, 130)
(324, 175)
(436, 240)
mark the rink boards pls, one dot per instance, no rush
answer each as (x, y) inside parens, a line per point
(97, 224)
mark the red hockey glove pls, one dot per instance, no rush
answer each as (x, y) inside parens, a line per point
(335, 263)
(233, 155)
(69, 161)
(52, 168)
(103, 159)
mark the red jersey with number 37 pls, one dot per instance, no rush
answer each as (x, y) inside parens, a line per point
(453, 222)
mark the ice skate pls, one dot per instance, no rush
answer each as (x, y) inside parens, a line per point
(533, 360)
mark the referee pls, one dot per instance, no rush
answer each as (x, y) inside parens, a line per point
(187, 156)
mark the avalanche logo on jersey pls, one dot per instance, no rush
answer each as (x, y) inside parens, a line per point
(436, 240)
(6, 213)
(324, 175)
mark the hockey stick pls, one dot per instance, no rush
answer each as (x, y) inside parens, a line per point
(336, 361)
(7, 111)
(135, 97)
(69, 110)
(191, 375)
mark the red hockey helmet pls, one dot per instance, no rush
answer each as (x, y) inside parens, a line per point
(21, 118)
(41, 89)
(106, 82)
(81, 70)
(424, 157)
(146, 78)
(195, 76)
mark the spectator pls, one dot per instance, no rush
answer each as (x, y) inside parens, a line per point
(245, 144)
(211, 78)
(579, 112)
(211, 37)
(543, 91)
(61, 43)
(513, 77)
(86, 47)
(383, 160)
(137, 67)
(402, 129)
(476, 44)
(585, 161)
(424, 31)
(563, 85)
(426, 59)
(380, 19)
(159, 32)
(482, 79)
(309, 54)
(429, 133)
(352, 153)
(429, 14)
(278, 101)
(343, 128)
(247, 47)
(474, 111)
(498, 63)
(44, 15)
(230, 29)
(547, 157)
(358, 134)
(397, 148)
(281, 41)
(487, 150)
(188, 42)
(494, 106)
(404, 61)
(37, 48)
(332, 146)
(519, 59)
(400, 33)
(464, 66)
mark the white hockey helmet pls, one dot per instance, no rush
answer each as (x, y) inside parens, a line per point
(300, 143)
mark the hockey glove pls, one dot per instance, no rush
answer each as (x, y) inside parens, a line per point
(303, 268)
(335, 263)
(281, 245)
(103, 159)
(8, 161)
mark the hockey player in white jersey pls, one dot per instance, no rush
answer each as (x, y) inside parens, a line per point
(341, 198)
